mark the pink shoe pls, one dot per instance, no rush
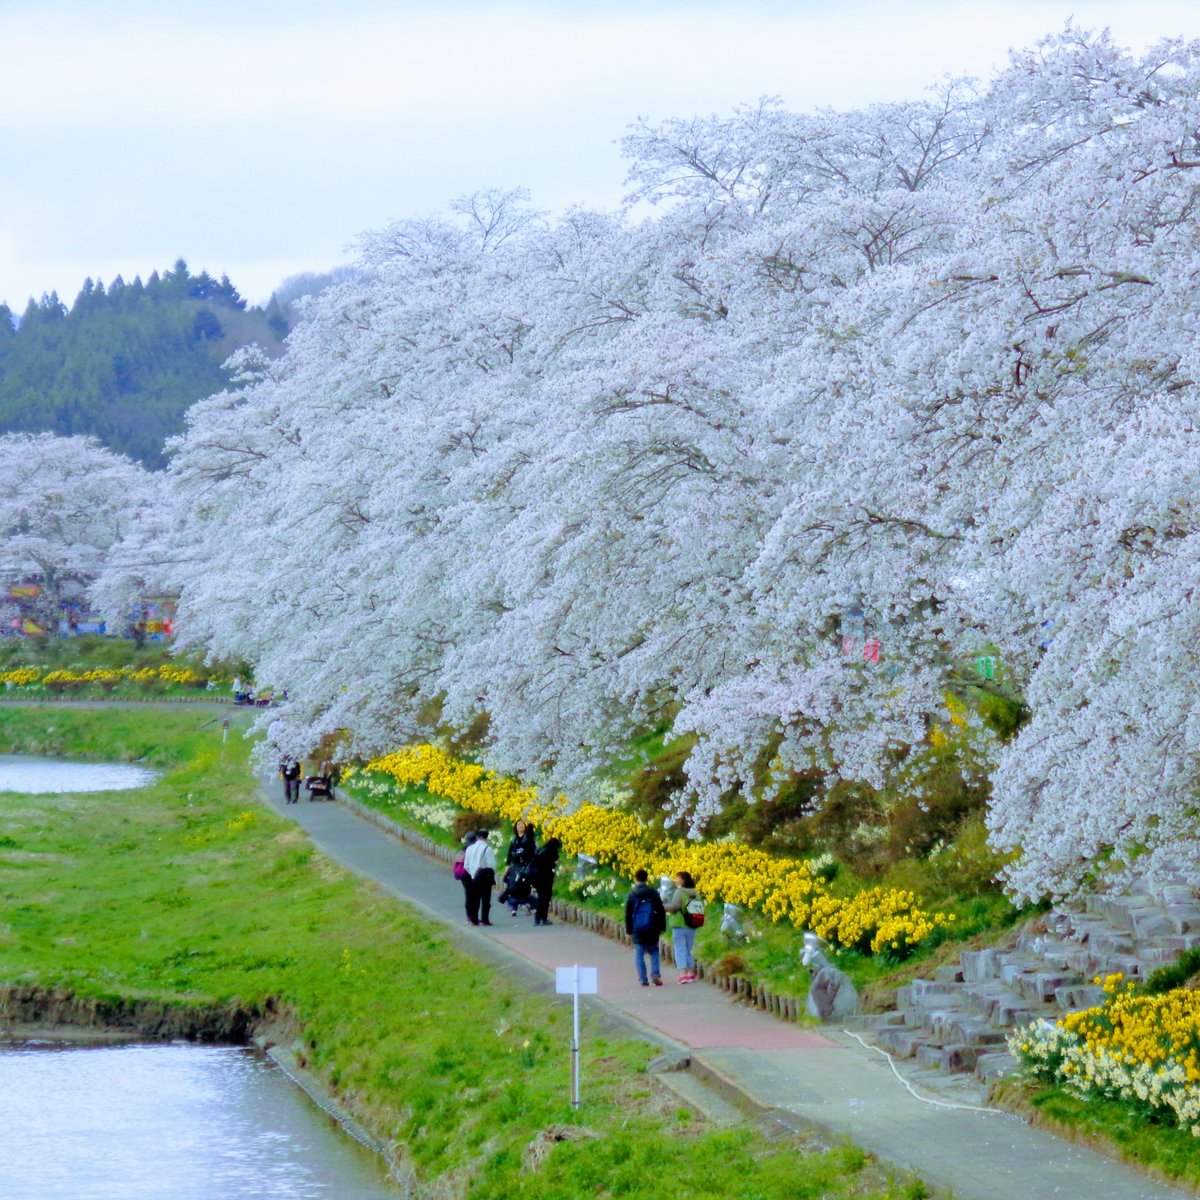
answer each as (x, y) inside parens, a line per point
(688, 977)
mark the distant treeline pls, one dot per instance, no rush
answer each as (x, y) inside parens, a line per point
(125, 361)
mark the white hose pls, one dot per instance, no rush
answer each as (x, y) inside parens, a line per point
(914, 1093)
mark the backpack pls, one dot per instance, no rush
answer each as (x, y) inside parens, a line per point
(693, 913)
(644, 925)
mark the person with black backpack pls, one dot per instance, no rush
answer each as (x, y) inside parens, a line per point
(645, 921)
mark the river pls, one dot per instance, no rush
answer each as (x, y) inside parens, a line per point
(46, 776)
(169, 1122)
(161, 1122)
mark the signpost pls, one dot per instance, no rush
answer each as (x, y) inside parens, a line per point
(575, 981)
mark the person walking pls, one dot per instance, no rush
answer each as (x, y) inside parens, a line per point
(480, 865)
(516, 878)
(460, 873)
(291, 774)
(645, 921)
(541, 876)
(686, 911)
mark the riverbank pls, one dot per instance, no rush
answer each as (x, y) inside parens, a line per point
(188, 896)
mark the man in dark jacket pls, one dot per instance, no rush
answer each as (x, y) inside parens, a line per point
(645, 921)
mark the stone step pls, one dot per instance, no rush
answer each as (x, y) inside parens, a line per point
(1151, 922)
(1157, 956)
(1180, 942)
(967, 1032)
(1184, 918)
(1123, 964)
(949, 973)
(1040, 986)
(930, 987)
(951, 1059)
(1178, 893)
(1074, 998)
(982, 997)
(939, 1020)
(873, 1021)
(993, 1066)
(1116, 909)
(1013, 966)
(1086, 962)
(901, 1042)
(1085, 927)
(1111, 943)
(978, 965)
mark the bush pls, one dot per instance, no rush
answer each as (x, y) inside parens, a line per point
(473, 822)
(729, 965)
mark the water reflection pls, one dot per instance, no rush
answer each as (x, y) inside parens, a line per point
(169, 1123)
(40, 776)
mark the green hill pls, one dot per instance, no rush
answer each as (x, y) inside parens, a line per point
(125, 362)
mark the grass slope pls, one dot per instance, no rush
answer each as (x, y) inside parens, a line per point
(192, 894)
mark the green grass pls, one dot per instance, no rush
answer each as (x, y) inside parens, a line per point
(192, 894)
(1110, 1125)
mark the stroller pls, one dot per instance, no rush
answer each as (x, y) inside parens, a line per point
(320, 787)
(518, 888)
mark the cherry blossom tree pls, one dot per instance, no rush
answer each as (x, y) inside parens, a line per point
(64, 503)
(865, 394)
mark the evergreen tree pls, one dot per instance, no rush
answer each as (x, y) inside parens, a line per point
(125, 363)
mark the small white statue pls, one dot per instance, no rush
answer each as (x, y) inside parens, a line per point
(831, 996)
(666, 887)
(731, 923)
(585, 864)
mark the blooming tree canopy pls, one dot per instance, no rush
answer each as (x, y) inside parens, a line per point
(867, 393)
(64, 503)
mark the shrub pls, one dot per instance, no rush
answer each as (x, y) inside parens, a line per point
(473, 822)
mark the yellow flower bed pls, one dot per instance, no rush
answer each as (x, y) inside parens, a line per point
(877, 920)
(20, 677)
(1136, 1046)
(168, 672)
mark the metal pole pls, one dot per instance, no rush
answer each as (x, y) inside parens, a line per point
(225, 731)
(575, 1046)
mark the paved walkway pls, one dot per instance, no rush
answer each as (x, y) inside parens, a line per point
(825, 1078)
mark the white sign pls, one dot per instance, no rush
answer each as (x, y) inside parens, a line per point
(565, 981)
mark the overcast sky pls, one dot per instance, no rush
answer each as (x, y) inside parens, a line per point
(260, 138)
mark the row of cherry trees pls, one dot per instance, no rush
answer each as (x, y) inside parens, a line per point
(934, 362)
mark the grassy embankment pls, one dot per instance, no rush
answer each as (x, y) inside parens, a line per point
(191, 896)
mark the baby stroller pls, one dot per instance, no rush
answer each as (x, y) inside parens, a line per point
(320, 787)
(518, 888)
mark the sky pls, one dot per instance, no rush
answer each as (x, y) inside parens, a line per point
(261, 138)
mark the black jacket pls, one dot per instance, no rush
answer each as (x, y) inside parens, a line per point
(521, 849)
(658, 913)
(542, 864)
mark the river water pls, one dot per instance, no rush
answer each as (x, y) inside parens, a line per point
(44, 776)
(174, 1122)
(161, 1122)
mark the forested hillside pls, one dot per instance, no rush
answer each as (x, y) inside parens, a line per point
(124, 362)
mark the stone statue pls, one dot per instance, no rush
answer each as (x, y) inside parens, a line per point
(731, 923)
(831, 996)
